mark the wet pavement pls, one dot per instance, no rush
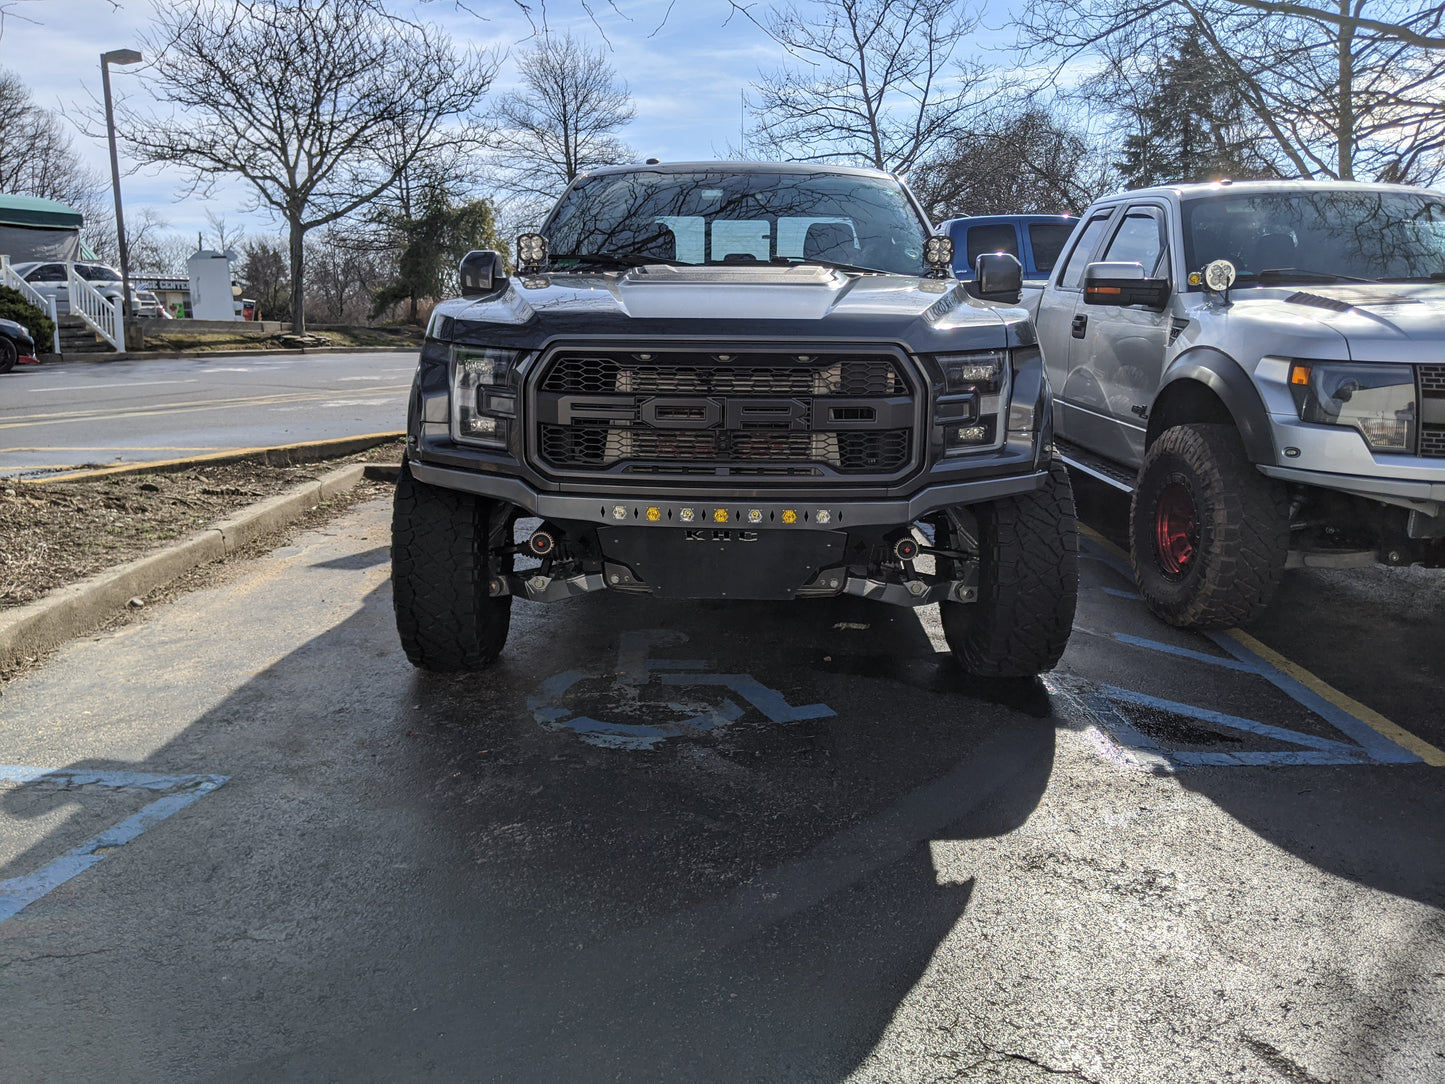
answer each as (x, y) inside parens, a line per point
(242, 839)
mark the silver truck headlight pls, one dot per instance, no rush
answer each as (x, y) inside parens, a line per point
(1376, 400)
(484, 405)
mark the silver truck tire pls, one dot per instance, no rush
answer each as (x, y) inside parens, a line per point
(1028, 583)
(440, 565)
(1208, 533)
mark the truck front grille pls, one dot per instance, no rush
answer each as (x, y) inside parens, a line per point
(768, 414)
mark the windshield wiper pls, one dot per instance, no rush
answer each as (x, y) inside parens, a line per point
(1277, 275)
(611, 259)
(794, 261)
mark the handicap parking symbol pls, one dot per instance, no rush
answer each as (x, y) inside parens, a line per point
(648, 700)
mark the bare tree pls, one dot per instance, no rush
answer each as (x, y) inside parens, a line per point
(1339, 88)
(38, 159)
(1020, 159)
(564, 121)
(872, 81)
(295, 96)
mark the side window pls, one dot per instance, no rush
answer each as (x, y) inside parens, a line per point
(997, 237)
(1137, 241)
(1047, 239)
(47, 272)
(1072, 276)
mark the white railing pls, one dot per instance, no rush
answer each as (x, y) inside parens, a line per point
(10, 278)
(101, 313)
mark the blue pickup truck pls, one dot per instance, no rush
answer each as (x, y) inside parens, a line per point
(1036, 240)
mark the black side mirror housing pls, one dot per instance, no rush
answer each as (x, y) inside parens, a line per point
(1124, 284)
(998, 276)
(482, 272)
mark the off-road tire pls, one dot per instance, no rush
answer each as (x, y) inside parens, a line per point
(1028, 583)
(1238, 535)
(9, 355)
(440, 541)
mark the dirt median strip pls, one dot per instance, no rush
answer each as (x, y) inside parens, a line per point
(75, 609)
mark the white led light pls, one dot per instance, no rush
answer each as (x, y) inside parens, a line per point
(619, 511)
(755, 515)
(822, 515)
(687, 515)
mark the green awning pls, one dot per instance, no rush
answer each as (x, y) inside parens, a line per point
(33, 211)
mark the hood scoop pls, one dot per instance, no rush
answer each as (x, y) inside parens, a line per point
(1303, 298)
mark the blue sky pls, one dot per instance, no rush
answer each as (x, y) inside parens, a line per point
(686, 71)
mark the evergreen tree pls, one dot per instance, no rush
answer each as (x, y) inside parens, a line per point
(1191, 128)
(436, 236)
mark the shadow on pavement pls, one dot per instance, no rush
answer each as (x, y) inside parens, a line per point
(412, 876)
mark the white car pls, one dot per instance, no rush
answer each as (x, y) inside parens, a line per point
(49, 280)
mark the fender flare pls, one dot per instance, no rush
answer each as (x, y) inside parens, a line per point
(1235, 388)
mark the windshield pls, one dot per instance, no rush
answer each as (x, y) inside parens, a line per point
(94, 272)
(721, 217)
(1323, 236)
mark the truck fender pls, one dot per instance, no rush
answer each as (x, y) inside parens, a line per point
(1231, 385)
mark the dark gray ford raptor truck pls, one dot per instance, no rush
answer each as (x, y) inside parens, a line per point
(734, 381)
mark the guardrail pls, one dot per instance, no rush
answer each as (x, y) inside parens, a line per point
(101, 313)
(10, 278)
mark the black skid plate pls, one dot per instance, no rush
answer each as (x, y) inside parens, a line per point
(722, 562)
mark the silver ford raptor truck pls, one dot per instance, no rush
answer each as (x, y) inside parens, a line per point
(734, 381)
(1262, 365)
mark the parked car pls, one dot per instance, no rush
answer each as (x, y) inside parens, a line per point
(1262, 365)
(146, 303)
(49, 280)
(1036, 240)
(16, 346)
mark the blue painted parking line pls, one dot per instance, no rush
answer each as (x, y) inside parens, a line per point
(636, 669)
(177, 792)
(1366, 744)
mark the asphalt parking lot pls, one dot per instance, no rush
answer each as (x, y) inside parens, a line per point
(243, 839)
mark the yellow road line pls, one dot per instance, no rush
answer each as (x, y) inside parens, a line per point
(118, 448)
(1367, 715)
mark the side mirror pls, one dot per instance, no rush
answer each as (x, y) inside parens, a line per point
(998, 276)
(482, 272)
(1124, 284)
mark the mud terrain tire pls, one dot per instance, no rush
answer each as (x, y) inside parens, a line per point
(1028, 583)
(440, 541)
(1208, 532)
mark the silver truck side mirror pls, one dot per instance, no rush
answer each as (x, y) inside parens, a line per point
(1124, 284)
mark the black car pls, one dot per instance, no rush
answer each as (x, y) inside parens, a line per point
(16, 345)
(735, 381)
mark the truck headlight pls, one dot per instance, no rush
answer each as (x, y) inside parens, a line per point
(975, 387)
(1376, 400)
(484, 405)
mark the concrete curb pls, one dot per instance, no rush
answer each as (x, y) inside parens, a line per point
(75, 609)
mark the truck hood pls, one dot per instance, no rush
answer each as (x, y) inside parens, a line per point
(801, 301)
(1384, 322)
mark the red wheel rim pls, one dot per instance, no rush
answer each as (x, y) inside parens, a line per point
(1174, 528)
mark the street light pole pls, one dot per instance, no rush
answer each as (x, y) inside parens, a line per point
(117, 56)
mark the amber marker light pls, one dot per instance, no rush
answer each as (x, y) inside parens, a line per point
(1299, 374)
(720, 515)
(790, 516)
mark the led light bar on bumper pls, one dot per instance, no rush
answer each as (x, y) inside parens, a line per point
(484, 405)
(1378, 401)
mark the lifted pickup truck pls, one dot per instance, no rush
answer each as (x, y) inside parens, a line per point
(741, 381)
(1262, 364)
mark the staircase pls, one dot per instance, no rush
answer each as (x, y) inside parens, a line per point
(76, 337)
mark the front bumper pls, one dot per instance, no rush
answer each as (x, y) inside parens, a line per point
(746, 512)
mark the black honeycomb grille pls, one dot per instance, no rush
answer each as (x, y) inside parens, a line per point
(837, 414)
